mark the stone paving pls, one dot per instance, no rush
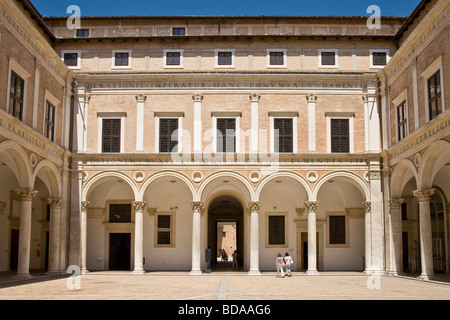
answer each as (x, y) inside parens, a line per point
(221, 286)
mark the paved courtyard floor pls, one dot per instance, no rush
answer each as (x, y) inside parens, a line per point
(221, 286)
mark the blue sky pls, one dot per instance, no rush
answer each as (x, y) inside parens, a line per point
(225, 8)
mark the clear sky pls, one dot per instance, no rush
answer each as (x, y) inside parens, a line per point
(225, 7)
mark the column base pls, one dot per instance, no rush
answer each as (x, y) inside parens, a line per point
(84, 271)
(254, 273)
(312, 273)
(196, 273)
(138, 272)
(22, 277)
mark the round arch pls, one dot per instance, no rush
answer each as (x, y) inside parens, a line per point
(242, 184)
(165, 174)
(436, 156)
(284, 174)
(97, 178)
(18, 162)
(48, 173)
(403, 172)
(353, 178)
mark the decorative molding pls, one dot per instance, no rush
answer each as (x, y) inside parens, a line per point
(423, 195)
(197, 206)
(197, 97)
(55, 202)
(312, 206)
(84, 206)
(26, 194)
(254, 206)
(141, 97)
(310, 97)
(254, 97)
(374, 175)
(395, 204)
(300, 211)
(151, 211)
(367, 206)
(139, 205)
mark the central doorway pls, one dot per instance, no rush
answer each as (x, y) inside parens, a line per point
(119, 251)
(226, 233)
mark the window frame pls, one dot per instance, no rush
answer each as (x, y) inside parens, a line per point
(371, 56)
(173, 66)
(283, 115)
(172, 229)
(341, 115)
(50, 98)
(224, 66)
(178, 28)
(336, 59)
(435, 66)
(114, 59)
(401, 98)
(269, 65)
(15, 67)
(226, 115)
(286, 230)
(347, 229)
(110, 116)
(83, 31)
(78, 52)
(435, 99)
(169, 115)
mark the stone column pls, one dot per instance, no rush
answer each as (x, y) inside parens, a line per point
(312, 237)
(26, 198)
(84, 206)
(368, 236)
(140, 122)
(426, 242)
(396, 236)
(198, 138)
(377, 221)
(254, 141)
(311, 98)
(139, 237)
(197, 207)
(254, 207)
(55, 235)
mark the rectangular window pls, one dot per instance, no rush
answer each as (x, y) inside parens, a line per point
(71, 59)
(328, 58)
(111, 135)
(16, 95)
(164, 229)
(340, 136)
(226, 135)
(119, 213)
(49, 125)
(402, 121)
(122, 59)
(225, 58)
(277, 230)
(337, 229)
(179, 31)
(82, 33)
(283, 135)
(404, 211)
(434, 95)
(276, 58)
(379, 58)
(173, 58)
(168, 135)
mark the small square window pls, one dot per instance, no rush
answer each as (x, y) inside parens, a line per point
(71, 59)
(179, 31)
(173, 58)
(225, 58)
(328, 58)
(122, 59)
(379, 58)
(82, 33)
(276, 58)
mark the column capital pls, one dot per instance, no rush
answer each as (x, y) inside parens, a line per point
(84, 205)
(367, 205)
(26, 194)
(141, 97)
(423, 195)
(139, 205)
(254, 206)
(197, 97)
(197, 206)
(312, 206)
(311, 97)
(254, 97)
(395, 204)
(55, 202)
(87, 98)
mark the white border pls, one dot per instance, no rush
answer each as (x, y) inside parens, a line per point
(174, 115)
(226, 115)
(272, 117)
(48, 96)
(21, 72)
(130, 57)
(78, 52)
(350, 128)
(396, 103)
(216, 59)
(431, 70)
(180, 66)
(372, 51)
(336, 59)
(111, 115)
(283, 66)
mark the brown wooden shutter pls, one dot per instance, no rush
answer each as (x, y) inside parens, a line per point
(276, 229)
(111, 135)
(167, 143)
(283, 135)
(340, 136)
(226, 135)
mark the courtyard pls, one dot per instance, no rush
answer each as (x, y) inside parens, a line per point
(222, 286)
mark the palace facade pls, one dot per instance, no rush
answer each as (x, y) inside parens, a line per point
(129, 144)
